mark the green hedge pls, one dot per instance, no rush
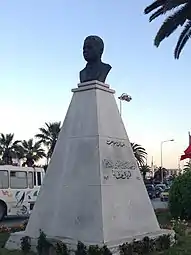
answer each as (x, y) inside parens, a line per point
(180, 197)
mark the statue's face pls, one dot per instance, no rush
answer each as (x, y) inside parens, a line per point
(90, 51)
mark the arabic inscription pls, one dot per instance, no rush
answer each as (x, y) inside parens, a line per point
(118, 164)
(114, 143)
(119, 169)
(121, 174)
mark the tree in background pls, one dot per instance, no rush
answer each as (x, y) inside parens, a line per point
(144, 170)
(9, 149)
(180, 15)
(140, 153)
(48, 136)
(187, 167)
(159, 172)
(31, 152)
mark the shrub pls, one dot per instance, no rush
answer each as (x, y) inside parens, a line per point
(105, 250)
(81, 249)
(43, 244)
(137, 247)
(145, 246)
(179, 226)
(180, 197)
(62, 249)
(94, 250)
(25, 244)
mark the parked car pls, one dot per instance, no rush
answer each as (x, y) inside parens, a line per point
(161, 185)
(164, 195)
(158, 191)
(151, 190)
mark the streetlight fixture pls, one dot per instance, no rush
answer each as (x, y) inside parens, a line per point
(124, 97)
(161, 156)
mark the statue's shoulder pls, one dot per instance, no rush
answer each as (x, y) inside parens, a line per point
(82, 75)
(83, 70)
(106, 67)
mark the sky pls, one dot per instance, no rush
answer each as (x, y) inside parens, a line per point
(41, 56)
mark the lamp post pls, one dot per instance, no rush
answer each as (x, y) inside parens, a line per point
(161, 156)
(123, 97)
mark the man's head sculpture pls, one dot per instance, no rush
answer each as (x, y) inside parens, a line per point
(93, 48)
(95, 68)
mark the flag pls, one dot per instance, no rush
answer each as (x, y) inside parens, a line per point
(185, 156)
(125, 97)
(187, 152)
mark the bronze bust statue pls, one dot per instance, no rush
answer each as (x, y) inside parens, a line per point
(95, 69)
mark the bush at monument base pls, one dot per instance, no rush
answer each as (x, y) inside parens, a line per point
(180, 197)
(49, 246)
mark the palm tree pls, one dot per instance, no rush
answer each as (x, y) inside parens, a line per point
(31, 152)
(48, 136)
(181, 16)
(9, 149)
(139, 153)
(144, 170)
(187, 167)
(159, 172)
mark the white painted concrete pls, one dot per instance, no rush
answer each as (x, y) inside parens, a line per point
(93, 190)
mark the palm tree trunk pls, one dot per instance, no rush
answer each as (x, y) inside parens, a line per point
(47, 160)
(30, 162)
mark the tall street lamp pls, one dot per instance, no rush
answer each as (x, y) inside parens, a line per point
(161, 156)
(123, 97)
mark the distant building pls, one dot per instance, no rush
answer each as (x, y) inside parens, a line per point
(172, 172)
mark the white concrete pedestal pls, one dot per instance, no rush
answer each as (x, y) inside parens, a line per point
(93, 191)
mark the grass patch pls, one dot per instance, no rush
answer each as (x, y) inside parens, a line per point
(6, 252)
(164, 218)
(3, 239)
(183, 246)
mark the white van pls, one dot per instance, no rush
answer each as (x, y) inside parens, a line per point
(19, 187)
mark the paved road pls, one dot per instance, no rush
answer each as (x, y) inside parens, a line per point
(158, 204)
(12, 221)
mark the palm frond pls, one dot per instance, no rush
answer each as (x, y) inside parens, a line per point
(41, 136)
(16, 142)
(171, 24)
(184, 36)
(6, 140)
(168, 6)
(145, 168)
(49, 135)
(2, 136)
(25, 144)
(157, 14)
(171, 4)
(47, 125)
(154, 5)
(37, 145)
(31, 152)
(44, 131)
(139, 153)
